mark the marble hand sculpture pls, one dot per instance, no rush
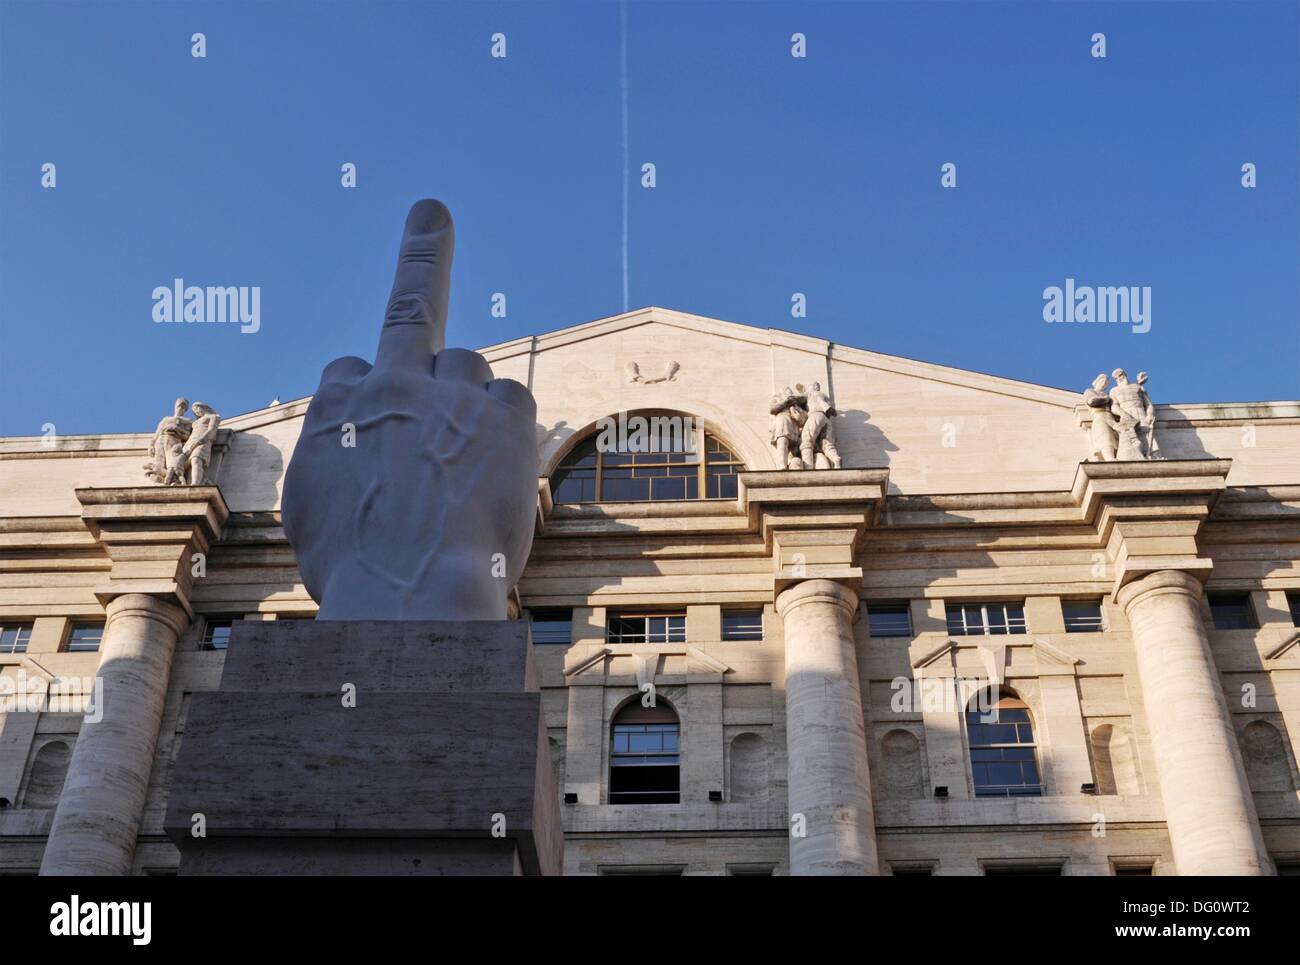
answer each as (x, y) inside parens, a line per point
(412, 492)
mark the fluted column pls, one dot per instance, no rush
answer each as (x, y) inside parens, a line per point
(103, 798)
(156, 538)
(829, 785)
(1213, 827)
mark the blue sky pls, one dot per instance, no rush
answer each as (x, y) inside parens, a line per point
(775, 176)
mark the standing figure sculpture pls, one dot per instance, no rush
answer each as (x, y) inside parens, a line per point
(817, 442)
(168, 441)
(788, 417)
(1103, 433)
(1123, 425)
(198, 451)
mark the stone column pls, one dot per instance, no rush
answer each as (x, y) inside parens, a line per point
(1213, 827)
(151, 534)
(825, 735)
(99, 812)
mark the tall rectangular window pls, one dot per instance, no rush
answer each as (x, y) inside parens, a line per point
(216, 633)
(981, 619)
(85, 637)
(1293, 601)
(889, 619)
(14, 637)
(1232, 611)
(551, 625)
(742, 624)
(646, 628)
(1082, 616)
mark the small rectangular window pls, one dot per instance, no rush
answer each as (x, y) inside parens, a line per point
(981, 619)
(1293, 601)
(551, 626)
(742, 624)
(646, 628)
(1082, 616)
(14, 637)
(85, 637)
(216, 633)
(912, 870)
(1133, 871)
(1023, 870)
(1232, 611)
(889, 620)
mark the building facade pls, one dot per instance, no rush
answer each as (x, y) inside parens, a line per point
(974, 648)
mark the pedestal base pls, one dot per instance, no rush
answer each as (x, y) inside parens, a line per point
(369, 748)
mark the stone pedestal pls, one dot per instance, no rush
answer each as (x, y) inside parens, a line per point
(830, 787)
(1213, 827)
(414, 748)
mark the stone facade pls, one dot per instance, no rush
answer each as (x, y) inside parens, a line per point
(1161, 742)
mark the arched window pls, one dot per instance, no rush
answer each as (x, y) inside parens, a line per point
(641, 457)
(1003, 756)
(644, 761)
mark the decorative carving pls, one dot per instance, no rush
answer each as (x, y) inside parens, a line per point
(1123, 420)
(198, 451)
(802, 430)
(634, 374)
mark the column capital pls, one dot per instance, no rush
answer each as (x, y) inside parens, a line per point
(1159, 582)
(817, 591)
(1148, 514)
(813, 520)
(150, 534)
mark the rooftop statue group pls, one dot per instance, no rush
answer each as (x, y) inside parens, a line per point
(181, 450)
(802, 431)
(1123, 419)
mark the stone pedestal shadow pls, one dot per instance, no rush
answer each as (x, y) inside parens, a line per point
(441, 766)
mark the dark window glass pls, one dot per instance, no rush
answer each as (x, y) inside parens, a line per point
(1003, 757)
(913, 871)
(1017, 871)
(1133, 871)
(889, 620)
(85, 637)
(742, 624)
(1082, 617)
(216, 634)
(14, 637)
(646, 628)
(1232, 611)
(552, 626)
(645, 757)
(1293, 601)
(978, 619)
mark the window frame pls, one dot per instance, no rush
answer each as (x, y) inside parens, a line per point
(671, 634)
(1012, 626)
(1084, 624)
(993, 719)
(22, 631)
(889, 609)
(210, 623)
(710, 453)
(1219, 599)
(86, 625)
(745, 632)
(632, 720)
(546, 639)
